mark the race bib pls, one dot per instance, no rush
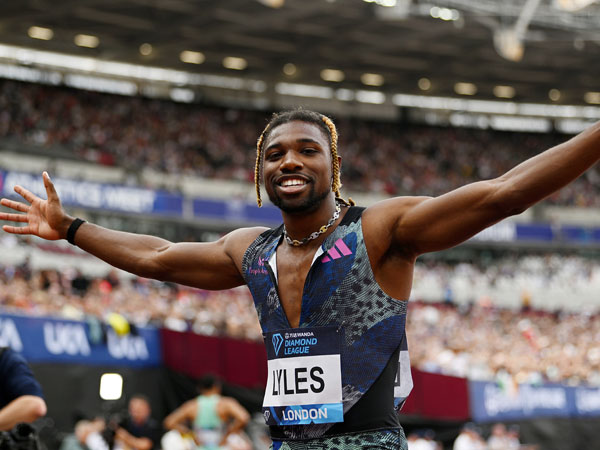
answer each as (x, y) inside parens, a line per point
(304, 384)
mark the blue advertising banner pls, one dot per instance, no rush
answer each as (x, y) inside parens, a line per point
(98, 196)
(508, 231)
(587, 401)
(491, 402)
(236, 211)
(42, 339)
(534, 232)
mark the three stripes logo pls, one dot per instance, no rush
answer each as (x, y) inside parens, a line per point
(338, 250)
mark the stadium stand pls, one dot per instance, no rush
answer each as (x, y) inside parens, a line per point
(516, 327)
(180, 140)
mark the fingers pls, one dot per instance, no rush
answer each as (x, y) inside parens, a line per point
(49, 185)
(27, 195)
(17, 230)
(17, 206)
(13, 217)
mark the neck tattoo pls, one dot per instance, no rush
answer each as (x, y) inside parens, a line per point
(315, 234)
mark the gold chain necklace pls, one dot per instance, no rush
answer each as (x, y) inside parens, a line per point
(315, 234)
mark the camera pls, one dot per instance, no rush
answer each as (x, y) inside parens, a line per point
(22, 437)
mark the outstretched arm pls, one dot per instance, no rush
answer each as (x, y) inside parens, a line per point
(26, 408)
(215, 265)
(133, 442)
(422, 224)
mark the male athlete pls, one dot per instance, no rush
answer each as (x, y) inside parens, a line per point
(331, 283)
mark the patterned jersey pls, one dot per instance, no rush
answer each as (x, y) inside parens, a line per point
(340, 292)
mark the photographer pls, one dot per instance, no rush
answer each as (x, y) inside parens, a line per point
(21, 398)
(137, 431)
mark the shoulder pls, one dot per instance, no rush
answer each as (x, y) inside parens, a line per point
(18, 379)
(230, 405)
(228, 401)
(190, 407)
(393, 208)
(11, 361)
(237, 241)
(381, 225)
(385, 216)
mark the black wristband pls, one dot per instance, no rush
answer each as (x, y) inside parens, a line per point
(73, 229)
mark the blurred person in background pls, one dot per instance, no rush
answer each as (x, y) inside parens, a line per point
(217, 422)
(136, 431)
(469, 438)
(498, 440)
(330, 269)
(139, 430)
(21, 398)
(421, 440)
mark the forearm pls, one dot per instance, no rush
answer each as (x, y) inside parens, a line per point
(134, 253)
(27, 408)
(540, 176)
(180, 427)
(431, 224)
(234, 427)
(136, 443)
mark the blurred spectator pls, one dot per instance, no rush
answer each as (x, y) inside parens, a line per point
(422, 440)
(512, 437)
(498, 440)
(469, 438)
(139, 431)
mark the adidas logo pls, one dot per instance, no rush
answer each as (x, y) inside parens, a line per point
(338, 250)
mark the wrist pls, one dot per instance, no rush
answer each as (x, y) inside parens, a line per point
(72, 229)
(64, 226)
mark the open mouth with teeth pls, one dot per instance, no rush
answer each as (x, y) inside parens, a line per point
(292, 185)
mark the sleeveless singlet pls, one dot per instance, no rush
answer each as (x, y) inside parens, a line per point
(207, 424)
(355, 372)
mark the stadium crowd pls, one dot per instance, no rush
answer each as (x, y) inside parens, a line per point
(384, 158)
(478, 338)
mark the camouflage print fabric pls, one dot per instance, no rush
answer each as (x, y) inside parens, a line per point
(340, 292)
(372, 440)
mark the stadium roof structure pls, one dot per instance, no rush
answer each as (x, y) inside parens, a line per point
(449, 48)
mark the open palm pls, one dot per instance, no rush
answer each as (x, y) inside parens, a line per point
(44, 218)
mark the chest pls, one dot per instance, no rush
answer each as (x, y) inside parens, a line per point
(292, 268)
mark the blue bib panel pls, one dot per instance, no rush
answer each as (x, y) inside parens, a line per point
(340, 293)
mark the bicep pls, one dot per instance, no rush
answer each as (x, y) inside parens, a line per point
(206, 265)
(432, 224)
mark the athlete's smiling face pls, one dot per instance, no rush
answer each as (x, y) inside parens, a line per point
(297, 166)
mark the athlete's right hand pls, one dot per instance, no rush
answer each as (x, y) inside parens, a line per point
(44, 218)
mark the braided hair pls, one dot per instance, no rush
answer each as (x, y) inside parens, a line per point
(302, 115)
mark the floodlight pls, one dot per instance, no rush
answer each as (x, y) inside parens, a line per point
(111, 386)
(573, 5)
(508, 45)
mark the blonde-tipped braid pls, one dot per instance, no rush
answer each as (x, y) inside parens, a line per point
(336, 184)
(259, 144)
